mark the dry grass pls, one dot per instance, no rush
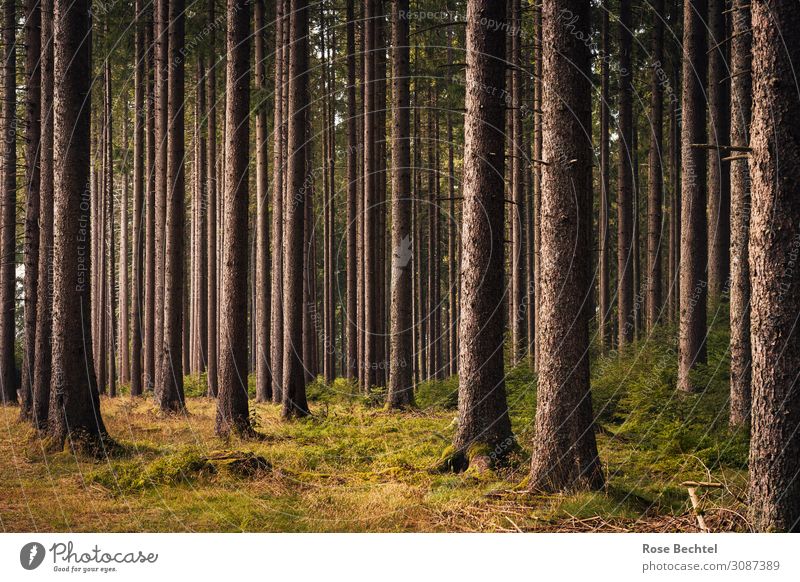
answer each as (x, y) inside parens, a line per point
(351, 468)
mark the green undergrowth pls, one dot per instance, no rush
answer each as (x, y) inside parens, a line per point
(353, 466)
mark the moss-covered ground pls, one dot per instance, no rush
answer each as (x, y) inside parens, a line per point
(355, 467)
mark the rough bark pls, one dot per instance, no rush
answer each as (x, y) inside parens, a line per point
(169, 384)
(262, 274)
(32, 199)
(655, 180)
(352, 190)
(74, 399)
(148, 357)
(626, 317)
(565, 454)
(719, 195)
(294, 389)
(537, 177)
(139, 227)
(741, 108)
(163, 123)
(483, 419)
(278, 170)
(232, 406)
(693, 291)
(518, 280)
(211, 165)
(774, 277)
(604, 289)
(401, 383)
(369, 210)
(123, 341)
(8, 216)
(44, 311)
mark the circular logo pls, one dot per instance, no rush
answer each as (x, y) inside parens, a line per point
(31, 555)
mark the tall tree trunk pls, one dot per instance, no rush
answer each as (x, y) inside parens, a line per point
(294, 389)
(482, 409)
(673, 284)
(100, 295)
(139, 121)
(33, 45)
(8, 219)
(163, 123)
(278, 171)
(44, 301)
(518, 282)
(691, 344)
(537, 178)
(74, 401)
(741, 109)
(626, 318)
(369, 211)
(719, 194)
(564, 450)
(401, 382)
(169, 385)
(201, 293)
(262, 274)
(110, 256)
(148, 358)
(655, 180)
(124, 300)
(211, 165)
(352, 190)
(232, 406)
(604, 289)
(774, 235)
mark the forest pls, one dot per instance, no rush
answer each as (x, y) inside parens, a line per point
(383, 265)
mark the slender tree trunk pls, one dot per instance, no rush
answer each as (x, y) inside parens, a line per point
(352, 190)
(110, 256)
(33, 45)
(691, 344)
(518, 282)
(604, 289)
(211, 165)
(719, 194)
(401, 382)
(774, 278)
(262, 274)
(294, 389)
(232, 406)
(278, 170)
(163, 123)
(625, 260)
(537, 178)
(8, 219)
(44, 311)
(564, 450)
(148, 358)
(369, 211)
(169, 386)
(673, 286)
(201, 293)
(741, 108)
(100, 295)
(124, 238)
(482, 410)
(655, 181)
(139, 121)
(74, 401)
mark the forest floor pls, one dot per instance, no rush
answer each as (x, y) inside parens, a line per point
(355, 467)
